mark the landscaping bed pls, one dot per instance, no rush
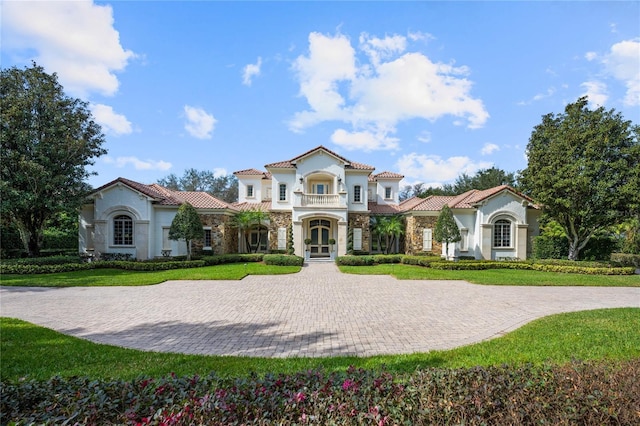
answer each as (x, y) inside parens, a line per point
(548, 265)
(592, 393)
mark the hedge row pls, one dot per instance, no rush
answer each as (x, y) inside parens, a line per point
(593, 393)
(283, 260)
(566, 266)
(69, 264)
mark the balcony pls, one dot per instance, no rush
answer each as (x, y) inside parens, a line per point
(320, 200)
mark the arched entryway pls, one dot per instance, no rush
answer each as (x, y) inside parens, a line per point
(320, 232)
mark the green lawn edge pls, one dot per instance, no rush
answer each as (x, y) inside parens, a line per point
(512, 277)
(33, 352)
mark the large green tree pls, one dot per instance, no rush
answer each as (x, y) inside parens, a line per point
(583, 168)
(223, 187)
(446, 230)
(186, 225)
(47, 141)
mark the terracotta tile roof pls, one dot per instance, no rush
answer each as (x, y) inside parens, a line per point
(290, 164)
(388, 175)
(265, 206)
(253, 172)
(376, 208)
(467, 200)
(167, 197)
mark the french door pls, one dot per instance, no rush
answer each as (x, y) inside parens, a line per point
(319, 232)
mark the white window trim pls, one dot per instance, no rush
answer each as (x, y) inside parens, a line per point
(390, 197)
(357, 238)
(286, 192)
(427, 239)
(493, 234)
(113, 231)
(464, 239)
(204, 240)
(253, 191)
(357, 192)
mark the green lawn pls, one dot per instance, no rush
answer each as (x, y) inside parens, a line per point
(118, 277)
(496, 276)
(35, 352)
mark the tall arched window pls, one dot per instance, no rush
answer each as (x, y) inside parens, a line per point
(502, 233)
(122, 230)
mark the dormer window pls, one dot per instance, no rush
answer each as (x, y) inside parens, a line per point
(249, 191)
(282, 192)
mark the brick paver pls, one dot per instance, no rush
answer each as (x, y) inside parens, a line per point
(317, 312)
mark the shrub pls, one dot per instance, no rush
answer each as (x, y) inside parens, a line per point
(388, 258)
(351, 260)
(624, 259)
(593, 393)
(126, 257)
(283, 260)
(420, 260)
(232, 258)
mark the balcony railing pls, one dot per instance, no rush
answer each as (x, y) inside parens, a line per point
(321, 200)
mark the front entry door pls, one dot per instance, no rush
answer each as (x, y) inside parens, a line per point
(320, 229)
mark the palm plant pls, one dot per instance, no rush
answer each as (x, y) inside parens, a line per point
(245, 221)
(387, 229)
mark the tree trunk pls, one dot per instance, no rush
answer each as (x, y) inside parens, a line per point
(188, 249)
(574, 250)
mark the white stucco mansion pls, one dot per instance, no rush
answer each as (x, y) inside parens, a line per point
(323, 197)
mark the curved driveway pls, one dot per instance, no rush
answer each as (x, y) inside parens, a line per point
(317, 312)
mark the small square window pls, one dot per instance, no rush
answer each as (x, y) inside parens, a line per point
(249, 190)
(387, 193)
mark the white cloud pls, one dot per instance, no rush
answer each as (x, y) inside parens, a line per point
(596, 91)
(433, 168)
(200, 124)
(590, 56)
(489, 148)
(75, 39)
(363, 141)
(539, 96)
(250, 71)
(219, 171)
(623, 63)
(388, 86)
(111, 121)
(138, 164)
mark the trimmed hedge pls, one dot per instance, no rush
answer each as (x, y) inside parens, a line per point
(624, 259)
(283, 260)
(594, 393)
(232, 258)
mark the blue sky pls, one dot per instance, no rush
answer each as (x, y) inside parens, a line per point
(426, 89)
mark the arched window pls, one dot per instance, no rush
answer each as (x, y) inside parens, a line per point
(502, 233)
(122, 230)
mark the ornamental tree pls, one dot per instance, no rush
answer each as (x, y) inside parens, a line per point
(446, 230)
(186, 225)
(583, 168)
(47, 140)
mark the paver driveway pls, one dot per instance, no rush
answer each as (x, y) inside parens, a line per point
(317, 312)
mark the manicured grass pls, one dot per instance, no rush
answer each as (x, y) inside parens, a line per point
(118, 277)
(496, 276)
(36, 352)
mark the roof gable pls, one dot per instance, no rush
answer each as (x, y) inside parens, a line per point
(468, 200)
(291, 164)
(167, 197)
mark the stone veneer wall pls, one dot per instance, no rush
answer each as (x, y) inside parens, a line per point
(278, 220)
(224, 238)
(361, 220)
(413, 235)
